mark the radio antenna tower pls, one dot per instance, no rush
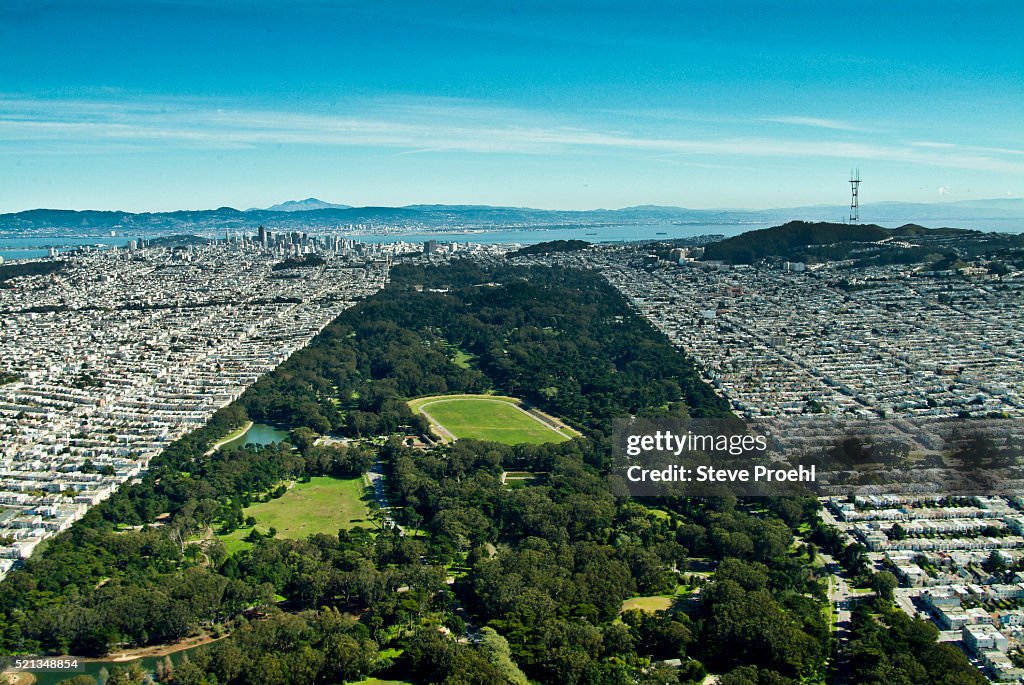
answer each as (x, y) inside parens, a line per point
(854, 201)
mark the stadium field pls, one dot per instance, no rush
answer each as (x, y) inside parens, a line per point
(489, 417)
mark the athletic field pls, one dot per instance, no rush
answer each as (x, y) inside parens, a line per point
(489, 417)
(648, 604)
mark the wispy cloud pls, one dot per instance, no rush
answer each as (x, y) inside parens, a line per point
(971, 148)
(816, 122)
(429, 127)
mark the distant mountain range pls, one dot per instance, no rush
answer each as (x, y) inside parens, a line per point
(306, 205)
(314, 214)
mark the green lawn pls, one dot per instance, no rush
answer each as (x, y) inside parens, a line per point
(323, 505)
(487, 417)
(648, 604)
(518, 479)
(463, 360)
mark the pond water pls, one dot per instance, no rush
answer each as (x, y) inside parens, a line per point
(93, 668)
(259, 434)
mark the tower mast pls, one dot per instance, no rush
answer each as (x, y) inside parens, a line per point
(854, 200)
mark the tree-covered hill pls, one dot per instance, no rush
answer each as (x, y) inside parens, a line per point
(551, 246)
(790, 240)
(867, 244)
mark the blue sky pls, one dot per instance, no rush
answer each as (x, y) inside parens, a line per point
(157, 105)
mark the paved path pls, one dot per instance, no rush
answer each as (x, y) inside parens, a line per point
(376, 477)
(442, 432)
(840, 596)
(234, 435)
(905, 600)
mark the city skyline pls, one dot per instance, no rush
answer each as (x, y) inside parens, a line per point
(157, 106)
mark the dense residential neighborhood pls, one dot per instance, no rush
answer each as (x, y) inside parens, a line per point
(953, 558)
(884, 341)
(119, 353)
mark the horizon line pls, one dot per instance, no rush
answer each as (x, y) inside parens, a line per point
(416, 205)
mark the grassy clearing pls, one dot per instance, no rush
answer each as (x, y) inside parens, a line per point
(323, 505)
(486, 417)
(463, 360)
(648, 604)
(519, 479)
(235, 542)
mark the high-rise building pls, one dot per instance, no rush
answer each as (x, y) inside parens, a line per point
(263, 236)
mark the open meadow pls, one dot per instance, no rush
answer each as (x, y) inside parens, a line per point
(323, 505)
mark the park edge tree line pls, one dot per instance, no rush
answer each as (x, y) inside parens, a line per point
(541, 569)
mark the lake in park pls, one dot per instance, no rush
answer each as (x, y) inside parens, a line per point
(259, 434)
(93, 668)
